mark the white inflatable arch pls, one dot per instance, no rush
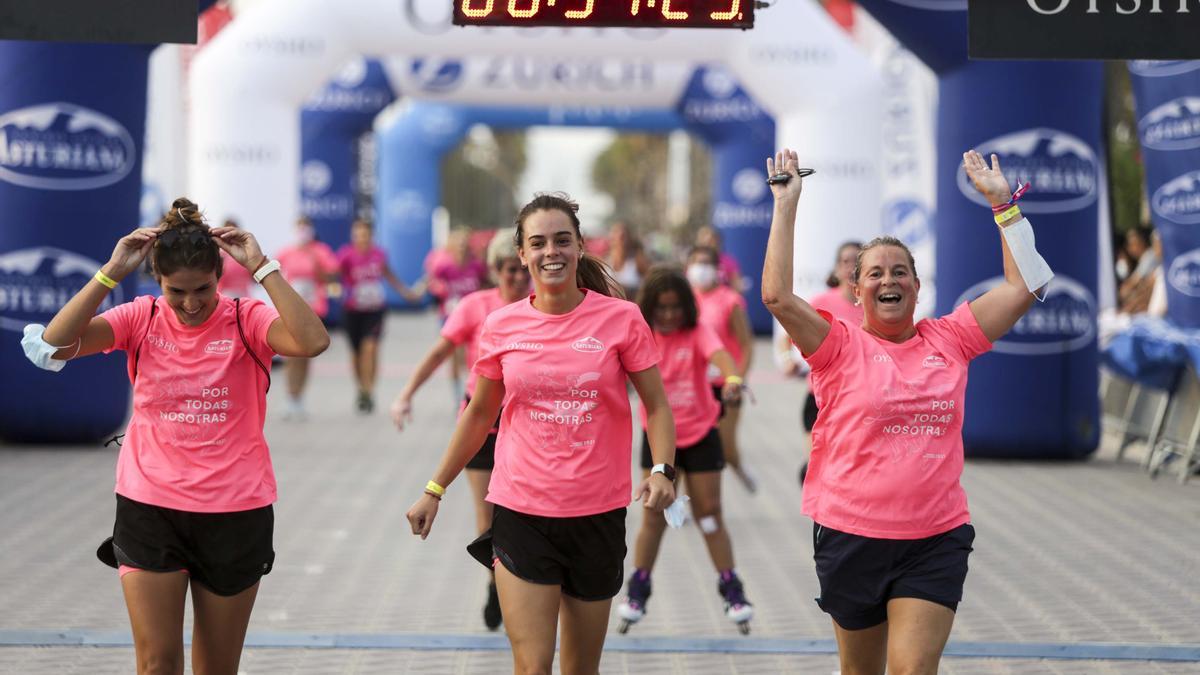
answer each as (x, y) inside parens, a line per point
(248, 85)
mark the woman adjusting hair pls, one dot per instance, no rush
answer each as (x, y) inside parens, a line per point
(194, 478)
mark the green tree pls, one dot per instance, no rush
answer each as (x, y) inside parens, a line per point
(1126, 175)
(479, 179)
(632, 170)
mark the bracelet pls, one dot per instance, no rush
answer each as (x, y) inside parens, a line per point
(265, 269)
(1007, 215)
(435, 496)
(105, 280)
(734, 379)
(434, 489)
(1016, 195)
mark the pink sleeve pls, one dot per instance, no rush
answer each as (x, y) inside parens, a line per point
(462, 322)
(707, 340)
(257, 317)
(329, 261)
(488, 363)
(125, 318)
(961, 330)
(736, 300)
(638, 352)
(830, 349)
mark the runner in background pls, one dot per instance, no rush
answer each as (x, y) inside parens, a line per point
(462, 329)
(363, 269)
(308, 265)
(452, 275)
(235, 281)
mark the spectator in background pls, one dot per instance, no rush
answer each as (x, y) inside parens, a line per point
(308, 265)
(729, 273)
(1157, 305)
(236, 281)
(1133, 296)
(626, 257)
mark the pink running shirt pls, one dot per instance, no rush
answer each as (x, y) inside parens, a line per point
(566, 430)
(887, 450)
(683, 361)
(195, 441)
(305, 267)
(362, 278)
(464, 324)
(716, 307)
(235, 280)
(729, 272)
(833, 302)
(451, 282)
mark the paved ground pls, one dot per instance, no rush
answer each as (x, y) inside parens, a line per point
(1081, 559)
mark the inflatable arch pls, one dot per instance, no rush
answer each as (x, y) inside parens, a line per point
(797, 63)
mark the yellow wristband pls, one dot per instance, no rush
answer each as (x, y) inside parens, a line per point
(435, 489)
(1014, 211)
(105, 279)
(734, 379)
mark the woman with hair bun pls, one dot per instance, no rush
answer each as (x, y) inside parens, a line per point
(194, 478)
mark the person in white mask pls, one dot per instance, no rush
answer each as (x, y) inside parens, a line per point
(724, 311)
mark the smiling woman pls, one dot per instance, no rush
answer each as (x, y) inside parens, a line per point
(883, 482)
(196, 359)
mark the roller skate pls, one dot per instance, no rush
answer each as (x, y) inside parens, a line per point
(737, 609)
(633, 608)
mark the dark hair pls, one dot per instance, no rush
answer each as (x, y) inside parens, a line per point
(591, 273)
(662, 279)
(706, 250)
(884, 240)
(184, 242)
(832, 281)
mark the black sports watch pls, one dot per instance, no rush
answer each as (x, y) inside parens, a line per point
(665, 469)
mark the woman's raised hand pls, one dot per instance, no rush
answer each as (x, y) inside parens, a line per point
(990, 181)
(130, 251)
(240, 245)
(786, 161)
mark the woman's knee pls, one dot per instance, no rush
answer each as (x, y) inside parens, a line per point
(160, 661)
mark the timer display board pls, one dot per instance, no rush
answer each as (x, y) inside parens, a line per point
(606, 13)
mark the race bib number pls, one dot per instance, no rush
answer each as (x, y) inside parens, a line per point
(368, 295)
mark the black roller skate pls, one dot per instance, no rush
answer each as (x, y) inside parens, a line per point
(737, 608)
(633, 608)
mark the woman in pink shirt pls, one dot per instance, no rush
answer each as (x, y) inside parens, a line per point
(838, 301)
(686, 348)
(363, 268)
(891, 528)
(558, 362)
(453, 276)
(194, 477)
(308, 265)
(462, 329)
(724, 311)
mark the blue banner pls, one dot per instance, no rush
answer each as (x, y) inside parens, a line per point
(72, 123)
(934, 30)
(741, 135)
(331, 125)
(1168, 110)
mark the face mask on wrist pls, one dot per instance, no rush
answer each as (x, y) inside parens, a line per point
(38, 351)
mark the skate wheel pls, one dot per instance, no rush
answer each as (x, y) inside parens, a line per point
(744, 628)
(624, 627)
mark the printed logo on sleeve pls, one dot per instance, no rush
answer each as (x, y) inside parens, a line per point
(588, 345)
(219, 347)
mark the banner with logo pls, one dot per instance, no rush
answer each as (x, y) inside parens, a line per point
(1035, 394)
(330, 127)
(72, 120)
(411, 147)
(1168, 108)
(935, 30)
(741, 135)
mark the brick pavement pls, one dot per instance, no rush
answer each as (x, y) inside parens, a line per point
(1074, 552)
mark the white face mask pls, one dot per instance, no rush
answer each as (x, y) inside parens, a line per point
(38, 351)
(702, 275)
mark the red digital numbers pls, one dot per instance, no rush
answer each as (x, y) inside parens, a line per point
(632, 13)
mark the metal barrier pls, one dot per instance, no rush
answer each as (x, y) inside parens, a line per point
(1180, 430)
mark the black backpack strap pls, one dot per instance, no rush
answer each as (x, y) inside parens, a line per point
(237, 304)
(137, 355)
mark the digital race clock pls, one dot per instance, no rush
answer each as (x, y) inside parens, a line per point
(604, 13)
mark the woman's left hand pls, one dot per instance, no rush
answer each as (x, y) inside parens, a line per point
(990, 182)
(731, 393)
(240, 245)
(656, 492)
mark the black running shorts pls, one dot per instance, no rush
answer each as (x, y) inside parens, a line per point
(705, 455)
